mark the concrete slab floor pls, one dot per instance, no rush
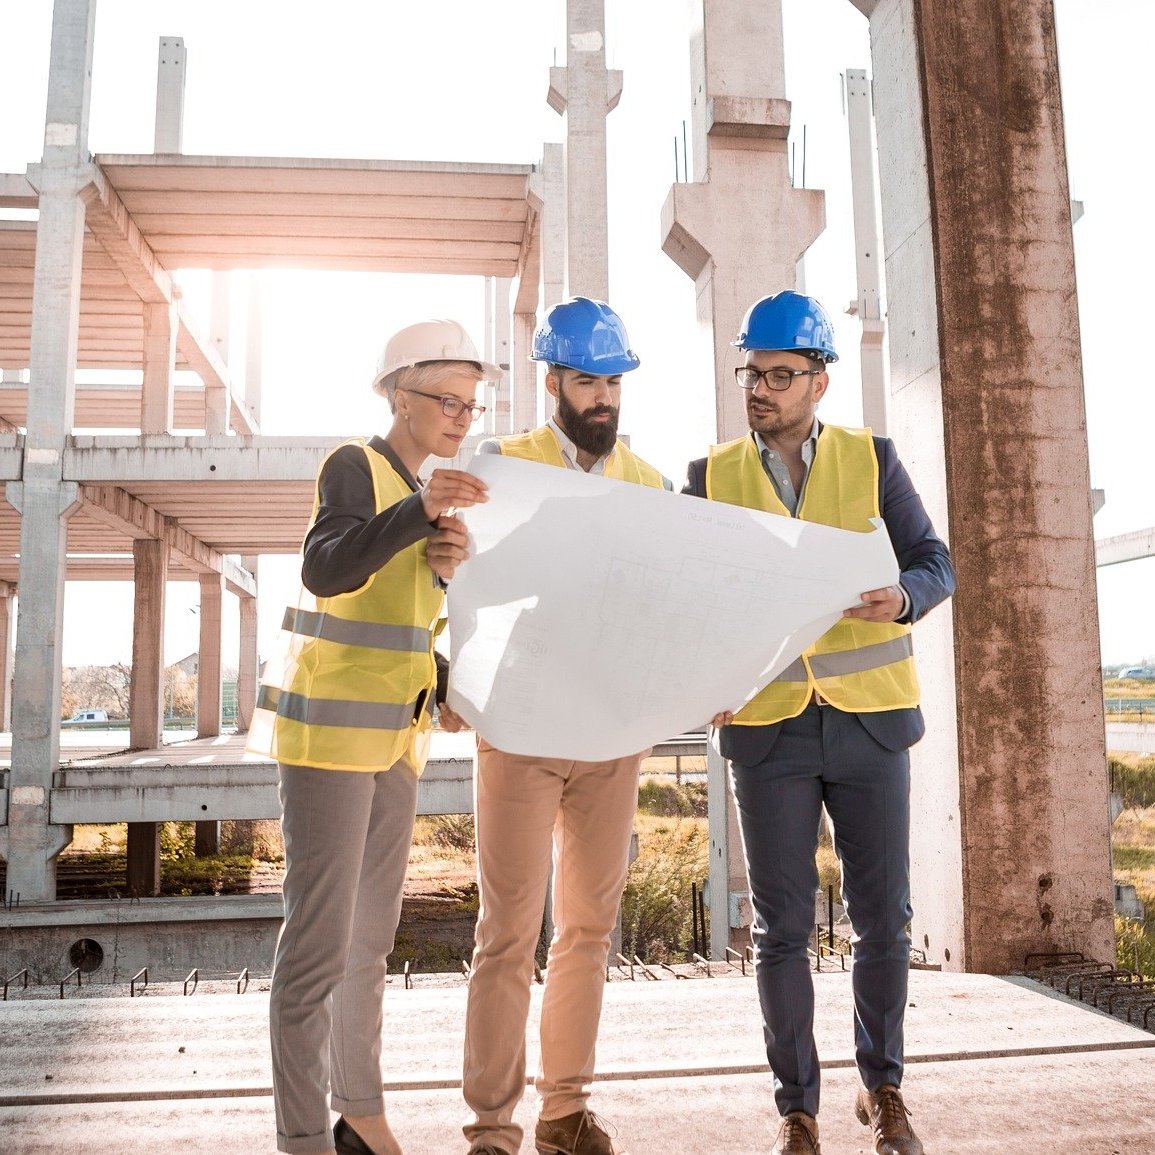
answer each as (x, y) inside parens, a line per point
(995, 1065)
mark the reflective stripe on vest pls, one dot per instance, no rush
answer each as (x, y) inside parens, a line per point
(856, 665)
(371, 635)
(360, 666)
(541, 444)
(334, 712)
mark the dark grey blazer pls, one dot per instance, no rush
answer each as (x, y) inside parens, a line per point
(926, 574)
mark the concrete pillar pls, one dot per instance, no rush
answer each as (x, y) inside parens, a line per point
(729, 898)
(550, 189)
(208, 834)
(867, 250)
(7, 638)
(585, 92)
(209, 657)
(502, 401)
(523, 415)
(156, 395)
(43, 497)
(168, 134)
(146, 697)
(254, 340)
(716, 231)
(220, 325)
(739, 229)
(1011, 846)
(248, 665)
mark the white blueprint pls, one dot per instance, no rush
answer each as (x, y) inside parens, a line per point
(596, 617)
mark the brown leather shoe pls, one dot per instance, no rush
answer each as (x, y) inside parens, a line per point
(581, 1133)
(886, 1114)
(798, 1135)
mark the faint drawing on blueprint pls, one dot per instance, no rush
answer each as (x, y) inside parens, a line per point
(595, 617)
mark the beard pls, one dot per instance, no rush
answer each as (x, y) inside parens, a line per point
(596, 437)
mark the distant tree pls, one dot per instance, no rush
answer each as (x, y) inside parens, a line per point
(97, 687)
(180, 693)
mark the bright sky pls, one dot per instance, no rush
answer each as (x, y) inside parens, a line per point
(449, 82)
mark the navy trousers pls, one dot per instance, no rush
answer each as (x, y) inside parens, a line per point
(825, 756)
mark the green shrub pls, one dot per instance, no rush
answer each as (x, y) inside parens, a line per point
(666, 799)
(1134, 778)
(657, 906)
(1135, 946)
(453, 832)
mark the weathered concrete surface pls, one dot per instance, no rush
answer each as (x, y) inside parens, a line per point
(993, 1065)
(995, 361)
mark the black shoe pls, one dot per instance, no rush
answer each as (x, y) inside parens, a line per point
(348, 1142)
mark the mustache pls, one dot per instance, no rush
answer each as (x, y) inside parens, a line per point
(599, 410)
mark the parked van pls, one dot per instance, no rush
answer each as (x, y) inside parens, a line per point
(88, 716)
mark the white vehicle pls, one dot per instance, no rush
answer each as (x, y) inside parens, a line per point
(88, 716)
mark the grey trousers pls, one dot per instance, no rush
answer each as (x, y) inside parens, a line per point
(825, 756)
(347, 839)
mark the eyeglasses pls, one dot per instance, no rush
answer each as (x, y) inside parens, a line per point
(451, 406)
(777, 379)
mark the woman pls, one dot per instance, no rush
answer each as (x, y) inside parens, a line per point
(350, 723)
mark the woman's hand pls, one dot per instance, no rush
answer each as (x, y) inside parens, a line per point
(450, 720)
(722, 718)
(450, 489)
(448, 547)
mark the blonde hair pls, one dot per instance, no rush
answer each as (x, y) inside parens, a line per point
(426, 376)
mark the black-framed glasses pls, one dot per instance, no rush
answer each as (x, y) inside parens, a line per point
(451, 406)
(778, 378)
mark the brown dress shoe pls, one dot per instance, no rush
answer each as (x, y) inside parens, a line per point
(886, 1114)
(798, 1135)
(581, 1133)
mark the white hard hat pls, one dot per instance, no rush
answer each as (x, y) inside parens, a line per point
(430, 341)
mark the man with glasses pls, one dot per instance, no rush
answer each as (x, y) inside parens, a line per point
(833, 729)
(526, 806)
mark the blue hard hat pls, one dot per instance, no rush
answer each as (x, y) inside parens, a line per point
(790, 323)
(586, 335)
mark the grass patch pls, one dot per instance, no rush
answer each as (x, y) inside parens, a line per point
(657, 906)
(1133, 776)
(660, 796)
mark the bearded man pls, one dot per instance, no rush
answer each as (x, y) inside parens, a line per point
(529, 809)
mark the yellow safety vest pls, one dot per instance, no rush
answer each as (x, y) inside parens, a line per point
(542, 445)
(859, 666)
(360, 664)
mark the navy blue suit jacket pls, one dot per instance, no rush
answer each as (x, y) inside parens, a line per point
(926, 574)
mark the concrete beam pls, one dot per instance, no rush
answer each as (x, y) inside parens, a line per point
(17, 191)
(1125, 547)
(124, 459)
(247, 790)
(134, 518)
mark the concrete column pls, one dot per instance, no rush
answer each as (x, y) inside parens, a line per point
(503, 407)
(254, 339)
(43, 497)
(729, 897)
(220, 326)
(1011, 846)
(586, 92)
(208, 834)
(715, 231)
(867, 250)
(156, 395)
(209, 657)
(7, 638)
(523, 416)
(550, 188)
(739, 229)
(248, 665)
(168, 135)
(146, 697)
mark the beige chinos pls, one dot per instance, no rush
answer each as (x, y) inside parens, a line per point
(523, 804)
(347, 839)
